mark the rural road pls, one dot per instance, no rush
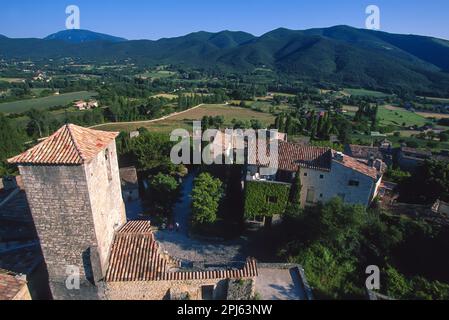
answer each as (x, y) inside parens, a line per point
(148, 121)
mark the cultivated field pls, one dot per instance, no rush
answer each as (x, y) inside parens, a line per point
(444, 100)
(158, 74)
(12, 80)
(44, 103)
(166, 96)
(433, 115)
(389, 115)
(185, 120)
(364, 92)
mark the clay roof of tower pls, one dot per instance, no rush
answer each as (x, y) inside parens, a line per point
(70, 145)
(10, 285)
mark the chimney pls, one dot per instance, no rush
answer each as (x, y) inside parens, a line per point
(339, 156)
(378, 164)
(371, 161)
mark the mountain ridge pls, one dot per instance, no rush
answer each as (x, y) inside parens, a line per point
(80, 36)
(341, 55)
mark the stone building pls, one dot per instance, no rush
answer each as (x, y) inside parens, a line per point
(130, 184)
(74, 194)
(409, 159)
(73, 189)
(138, 270)
(325, 174)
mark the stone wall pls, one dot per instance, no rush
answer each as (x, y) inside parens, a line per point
(105, 193)
(58, 197)
(328, 185)
(160, 290)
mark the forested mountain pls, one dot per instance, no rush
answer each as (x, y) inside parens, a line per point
(341, 55)
(80, 36)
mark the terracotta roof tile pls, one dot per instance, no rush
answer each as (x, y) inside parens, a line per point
(359, 166)
(363, 152)
(10, 285)
(292, 155)
(70, 145)
(135, 256)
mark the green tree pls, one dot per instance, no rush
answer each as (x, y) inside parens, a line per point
(206, 196)
(151, 151)
(11, 141)
(164, 192)
(429, 183)
(397, 285)
(295, 191)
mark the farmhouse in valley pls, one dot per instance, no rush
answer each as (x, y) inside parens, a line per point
(86, 105)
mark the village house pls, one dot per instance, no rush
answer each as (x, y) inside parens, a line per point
(384, 152)
(74, 194)
(130, 184)
(86, 105)
(409, 159)
(325, 174)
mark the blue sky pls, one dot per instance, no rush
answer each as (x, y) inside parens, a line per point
(154, 19)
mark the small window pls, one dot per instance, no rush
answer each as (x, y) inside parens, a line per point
(354, 183)
(271, 199)
(321, 176)
(108, 164)
(305, 174)
(321, 195)
(310, 198)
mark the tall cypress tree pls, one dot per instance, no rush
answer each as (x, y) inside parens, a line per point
(295, 192)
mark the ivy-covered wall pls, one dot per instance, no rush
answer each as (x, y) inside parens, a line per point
(265, 198)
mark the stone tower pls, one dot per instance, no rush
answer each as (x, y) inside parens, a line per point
(73, 189)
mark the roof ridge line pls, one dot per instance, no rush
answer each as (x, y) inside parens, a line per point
(72, 138)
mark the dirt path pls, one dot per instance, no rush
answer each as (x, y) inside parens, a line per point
(148, 121)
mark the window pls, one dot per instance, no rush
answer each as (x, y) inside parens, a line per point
(207, 292)
(310, 195)
(305, 174)
(108, 164)
(354, 183)
(321, 195)
(271, 199)
(321, 176)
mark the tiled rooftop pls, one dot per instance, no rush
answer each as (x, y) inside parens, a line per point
(363, 152)
(135, 256)
(10, 285)
(359, 166)
(292, 155)
(70, 145)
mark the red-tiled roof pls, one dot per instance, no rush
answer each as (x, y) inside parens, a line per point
(10, 285)
(292, 155)
(363, 152)
(135, 256)
(70, 145)
(359, 166)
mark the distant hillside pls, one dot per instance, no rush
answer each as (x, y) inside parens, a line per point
(80, 36)
(340, 55)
